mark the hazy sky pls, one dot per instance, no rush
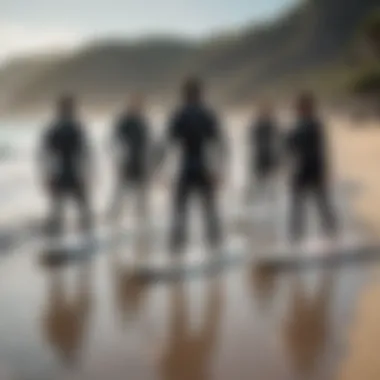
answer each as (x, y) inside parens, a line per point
(28, 25)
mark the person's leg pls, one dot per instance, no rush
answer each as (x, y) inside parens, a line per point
(272, 180)
(117, 202)
(259, 181)
(251, 186)
(180, 210)
(142, 207)
(55, 219)
(81, 196)
(297, 217)
(326, 209)
(211, 215)
(263, 176)
(250, 189)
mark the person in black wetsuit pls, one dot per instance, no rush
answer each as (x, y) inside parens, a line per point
(307, 144)
(131, 144)
(195, 130)
(66, 164)
(264, 142)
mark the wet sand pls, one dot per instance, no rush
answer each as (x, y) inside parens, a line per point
(360, 150)
(91, 320)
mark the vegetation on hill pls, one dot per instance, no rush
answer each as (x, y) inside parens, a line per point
(309, 46)
(367, 79)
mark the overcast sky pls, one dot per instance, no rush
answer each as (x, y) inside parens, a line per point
(31, 25)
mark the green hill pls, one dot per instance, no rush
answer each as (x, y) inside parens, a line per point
(310, 45)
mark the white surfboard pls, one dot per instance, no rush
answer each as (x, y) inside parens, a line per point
(78, 246)
(190, 265)
(318, 252)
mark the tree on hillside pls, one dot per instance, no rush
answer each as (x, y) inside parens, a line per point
(369, 33)
(367, 78)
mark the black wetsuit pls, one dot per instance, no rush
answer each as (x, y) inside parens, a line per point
(65, 147)
(194, 129)
(131, 136)
(264, 138)
(131, 140)
(307, 145)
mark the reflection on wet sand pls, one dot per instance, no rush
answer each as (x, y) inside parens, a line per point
(307, 324)
(128, 289)
(67, 316)
(264, 283)
(361, 360)
(188, 353)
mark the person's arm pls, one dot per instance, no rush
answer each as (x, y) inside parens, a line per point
(220, 152)
(279, 144)
(291, 141)
(325, 151)
(291, 145)
(86, 156)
